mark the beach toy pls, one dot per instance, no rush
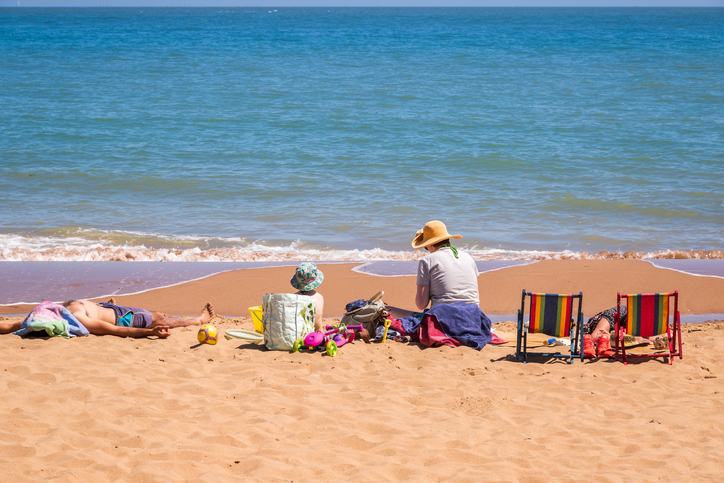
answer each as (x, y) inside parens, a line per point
(257, 316)
(387, 327)
(245, 335)
(208, 335)
(329, 341)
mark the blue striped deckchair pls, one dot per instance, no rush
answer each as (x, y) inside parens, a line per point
(647, 316)
(551, 314)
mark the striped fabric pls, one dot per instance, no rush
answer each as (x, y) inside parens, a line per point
(550, 314)
(648, 314)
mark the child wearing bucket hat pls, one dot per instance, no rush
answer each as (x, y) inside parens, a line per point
(306, 279)
(445, 275)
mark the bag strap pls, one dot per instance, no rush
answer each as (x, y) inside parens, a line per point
(376, 297)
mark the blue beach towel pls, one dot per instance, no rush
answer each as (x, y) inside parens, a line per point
(461, 321)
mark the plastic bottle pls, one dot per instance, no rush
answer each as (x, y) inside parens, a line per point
(554, 341)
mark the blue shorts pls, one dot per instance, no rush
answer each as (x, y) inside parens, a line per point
(130, 316)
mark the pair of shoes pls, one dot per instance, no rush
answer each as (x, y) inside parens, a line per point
(589, 350)
(604, 346)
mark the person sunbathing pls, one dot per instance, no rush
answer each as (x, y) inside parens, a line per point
(108, 318)
(597, 334)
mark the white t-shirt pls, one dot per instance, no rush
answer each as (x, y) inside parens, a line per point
(450, 279)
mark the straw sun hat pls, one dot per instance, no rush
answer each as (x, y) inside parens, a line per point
(434, 231)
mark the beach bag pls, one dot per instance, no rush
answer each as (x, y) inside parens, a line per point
(370, 314)
(286, 318)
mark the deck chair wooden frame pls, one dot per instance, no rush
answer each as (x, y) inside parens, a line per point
(647, 316)
(551, 314)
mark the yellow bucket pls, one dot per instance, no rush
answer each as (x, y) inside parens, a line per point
(256, 317)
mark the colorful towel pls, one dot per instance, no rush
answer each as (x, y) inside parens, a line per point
(54, 319)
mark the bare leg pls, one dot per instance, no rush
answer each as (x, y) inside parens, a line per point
(9, 327)
(603, 327)
(207, 313)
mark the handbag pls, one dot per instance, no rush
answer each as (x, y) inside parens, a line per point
(369, 315)
(286, 317)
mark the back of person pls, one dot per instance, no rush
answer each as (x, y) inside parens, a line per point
(450, 279)
(445, 275)
(307, 277)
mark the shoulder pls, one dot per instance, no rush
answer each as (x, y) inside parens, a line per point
(467, 256)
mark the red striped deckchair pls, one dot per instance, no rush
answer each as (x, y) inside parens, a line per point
(648, 316)
(551, 314)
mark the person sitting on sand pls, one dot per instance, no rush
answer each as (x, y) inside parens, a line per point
(107, 318)
(306, 279)
(445, 275)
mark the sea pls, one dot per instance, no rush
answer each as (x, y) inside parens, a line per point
(334, 134)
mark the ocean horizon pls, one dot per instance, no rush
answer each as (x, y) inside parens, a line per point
(334, 134)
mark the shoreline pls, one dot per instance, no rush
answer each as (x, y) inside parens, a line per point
(232, 292)
(60, 281)
(61, 250)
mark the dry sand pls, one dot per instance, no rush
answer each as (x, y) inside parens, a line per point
(110, 409)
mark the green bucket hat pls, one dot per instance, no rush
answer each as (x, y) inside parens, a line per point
(307, 277)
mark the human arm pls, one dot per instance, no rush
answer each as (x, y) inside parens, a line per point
(318, 312)
(9, 327)
(422, 297)
(100, 327)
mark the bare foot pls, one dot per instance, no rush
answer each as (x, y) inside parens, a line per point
(112, 300)
(207, 314)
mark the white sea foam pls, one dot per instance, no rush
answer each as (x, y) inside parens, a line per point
(99, 245)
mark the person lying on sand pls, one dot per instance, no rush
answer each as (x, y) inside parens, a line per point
(108, 318)
(445, 275)
(597, 338)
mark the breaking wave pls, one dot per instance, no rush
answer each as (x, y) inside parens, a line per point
(99, 245)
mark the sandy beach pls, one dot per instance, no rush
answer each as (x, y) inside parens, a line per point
(109, 409)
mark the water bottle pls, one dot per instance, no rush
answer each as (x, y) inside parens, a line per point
(553, 341)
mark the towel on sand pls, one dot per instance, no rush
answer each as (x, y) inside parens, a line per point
(54, 319)
(454, 324)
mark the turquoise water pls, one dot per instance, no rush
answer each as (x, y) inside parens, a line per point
(335, 134)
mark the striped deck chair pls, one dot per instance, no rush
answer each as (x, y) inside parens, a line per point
(551, 314)
(648, 316)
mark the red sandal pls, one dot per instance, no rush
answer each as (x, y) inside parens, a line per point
(604, 346)
(589, 350)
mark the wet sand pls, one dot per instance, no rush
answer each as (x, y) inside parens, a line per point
(232, 293)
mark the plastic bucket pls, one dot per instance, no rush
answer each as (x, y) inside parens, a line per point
(257, 317)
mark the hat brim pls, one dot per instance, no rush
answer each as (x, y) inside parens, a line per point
(418, 242)
(311, 285)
